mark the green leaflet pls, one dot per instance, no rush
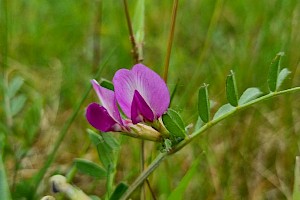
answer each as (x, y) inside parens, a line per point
(107, 84)
(204, 103)
(223, 110)
(17, 104)
(281, 77)
(90, 168)
(231, 89)
(119, 191)
(105, 151)
(174, 123)
(14, 86)
(249, 95)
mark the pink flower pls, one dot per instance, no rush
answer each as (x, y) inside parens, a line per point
(141, 94)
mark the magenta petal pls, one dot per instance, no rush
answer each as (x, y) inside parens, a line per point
(108, 101)
(150, 86)
(99, 118)
(140, 109)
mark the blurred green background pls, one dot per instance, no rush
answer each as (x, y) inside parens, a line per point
(57, 46)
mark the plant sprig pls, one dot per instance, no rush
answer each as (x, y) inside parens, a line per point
(250, 97)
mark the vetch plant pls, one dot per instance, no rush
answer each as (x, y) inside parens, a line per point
(143, 97)
(138, 103)
(147, 117)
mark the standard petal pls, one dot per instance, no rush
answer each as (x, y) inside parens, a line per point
(150, 85)
(99, 118)
(108, 100)
(140, 109)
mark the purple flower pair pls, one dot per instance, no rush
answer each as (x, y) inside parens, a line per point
(141, 94)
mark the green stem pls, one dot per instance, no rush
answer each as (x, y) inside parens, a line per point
(109, 181)
(170, 41)
(112, 174)
(230, 113)
(143, 176)
(142, 164)
(50, 158)
(136, 58)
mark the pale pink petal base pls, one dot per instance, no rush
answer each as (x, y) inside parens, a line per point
(140, 111)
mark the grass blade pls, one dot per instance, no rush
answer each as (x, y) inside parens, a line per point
(119, 191)
(4, 190)
(178, 193)
(296, 192)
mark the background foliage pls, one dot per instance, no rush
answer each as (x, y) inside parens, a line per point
(51, 48)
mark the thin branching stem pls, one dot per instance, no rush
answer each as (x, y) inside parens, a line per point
(151, 190)
(136, 59)
(155, 163)
(135, 56)
(142, 164)
(131, 35)
(170, 40)
(198, 132)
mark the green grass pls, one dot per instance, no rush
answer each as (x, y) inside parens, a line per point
(249, 156)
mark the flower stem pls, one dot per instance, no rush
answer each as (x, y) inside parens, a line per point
(155, 163)
(131, 35)
(143, 176)
(142, 163)
(170, 41)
